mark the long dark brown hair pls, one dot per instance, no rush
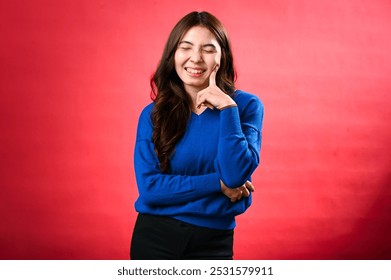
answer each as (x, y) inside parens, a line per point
(172, 108)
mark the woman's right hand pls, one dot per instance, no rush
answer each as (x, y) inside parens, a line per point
(236, 194)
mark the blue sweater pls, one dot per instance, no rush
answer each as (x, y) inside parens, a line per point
(216, 145)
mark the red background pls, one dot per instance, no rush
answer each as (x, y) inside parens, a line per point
(74, 76)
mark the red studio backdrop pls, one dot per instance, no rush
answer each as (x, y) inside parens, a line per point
(74, 77)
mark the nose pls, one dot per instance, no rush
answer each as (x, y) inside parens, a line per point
(195, 57)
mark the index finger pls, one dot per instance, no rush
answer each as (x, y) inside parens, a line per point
(212, 77)
(249, 186)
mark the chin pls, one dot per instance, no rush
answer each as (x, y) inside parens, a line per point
(199, 86)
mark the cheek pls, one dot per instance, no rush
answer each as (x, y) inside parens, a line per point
(217, 59)
(177, 61)
(179, 58)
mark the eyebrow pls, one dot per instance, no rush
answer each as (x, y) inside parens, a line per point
(190, 43)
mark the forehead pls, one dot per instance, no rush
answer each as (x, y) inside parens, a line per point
(200, 34)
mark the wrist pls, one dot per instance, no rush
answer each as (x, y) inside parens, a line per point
(222, 186)
(226, 102)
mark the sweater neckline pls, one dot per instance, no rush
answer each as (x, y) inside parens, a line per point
(200, 114)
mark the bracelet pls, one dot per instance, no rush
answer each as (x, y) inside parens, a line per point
(228, 106)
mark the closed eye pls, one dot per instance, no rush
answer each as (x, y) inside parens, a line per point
(209, 50)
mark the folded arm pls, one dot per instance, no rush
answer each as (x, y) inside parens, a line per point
(239, 143)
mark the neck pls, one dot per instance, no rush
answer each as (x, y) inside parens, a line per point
(192, 92)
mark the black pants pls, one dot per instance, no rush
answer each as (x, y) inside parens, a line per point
(164, 238)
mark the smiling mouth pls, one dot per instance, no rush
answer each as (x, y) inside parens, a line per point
(194, 71)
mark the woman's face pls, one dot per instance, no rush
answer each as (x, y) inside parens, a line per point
(196, 57)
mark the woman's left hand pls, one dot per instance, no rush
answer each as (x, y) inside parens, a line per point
(236, 194)
(212, 96)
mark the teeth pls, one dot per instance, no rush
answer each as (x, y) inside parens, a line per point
(194, 71)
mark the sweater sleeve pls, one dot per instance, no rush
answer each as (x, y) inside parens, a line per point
(159, 189)
(239, 142)
(216, 205)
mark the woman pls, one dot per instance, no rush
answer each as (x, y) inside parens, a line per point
(197, 145)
